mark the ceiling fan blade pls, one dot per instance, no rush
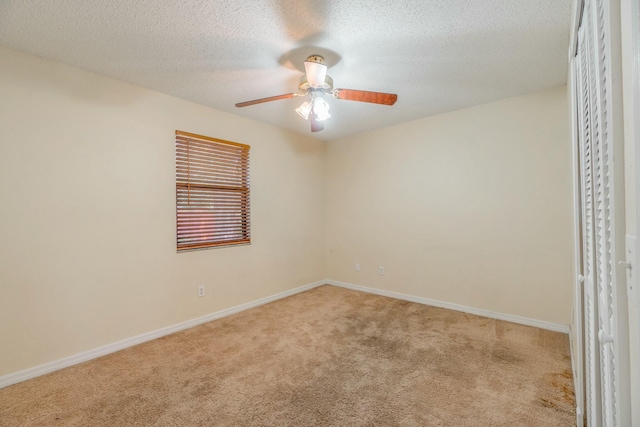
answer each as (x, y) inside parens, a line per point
(269, 99)
(365, 96)
(316, 126)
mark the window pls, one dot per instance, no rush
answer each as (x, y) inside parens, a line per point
(212, 192)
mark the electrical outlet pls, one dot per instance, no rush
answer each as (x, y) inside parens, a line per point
(357, 266)
(381, 271)
(201, 291)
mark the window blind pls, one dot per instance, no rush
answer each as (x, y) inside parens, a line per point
(212, 192)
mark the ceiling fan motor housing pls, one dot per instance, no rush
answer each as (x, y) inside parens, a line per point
(305, 86)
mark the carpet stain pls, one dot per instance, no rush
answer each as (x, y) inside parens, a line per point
(563, 382)
(548, 403)
(505, 355)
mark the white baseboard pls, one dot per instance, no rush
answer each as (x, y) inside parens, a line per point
(46, 368)
(457, 307)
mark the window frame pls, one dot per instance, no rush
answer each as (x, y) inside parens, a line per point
(212, 192)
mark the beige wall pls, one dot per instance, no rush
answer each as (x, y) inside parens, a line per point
(472, 207)
(87, 218)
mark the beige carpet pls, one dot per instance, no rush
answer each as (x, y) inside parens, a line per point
(327, 357)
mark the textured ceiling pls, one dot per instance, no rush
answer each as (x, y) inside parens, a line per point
(437, 55)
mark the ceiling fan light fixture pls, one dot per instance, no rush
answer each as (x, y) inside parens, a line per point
(321, 109)
(316, 73)
(304, 110)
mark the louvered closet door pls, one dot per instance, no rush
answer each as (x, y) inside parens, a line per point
(603, 192)
(591, 351)
(596, 151)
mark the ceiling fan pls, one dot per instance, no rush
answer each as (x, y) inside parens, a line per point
(316, 83)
